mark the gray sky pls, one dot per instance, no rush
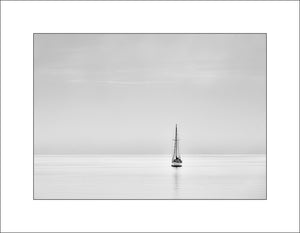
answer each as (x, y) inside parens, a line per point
(123, 93)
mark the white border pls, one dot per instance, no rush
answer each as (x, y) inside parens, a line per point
(22, 214)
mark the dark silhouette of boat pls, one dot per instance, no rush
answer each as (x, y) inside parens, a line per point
(176, 159)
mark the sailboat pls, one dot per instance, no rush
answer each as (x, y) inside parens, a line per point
(176, 159)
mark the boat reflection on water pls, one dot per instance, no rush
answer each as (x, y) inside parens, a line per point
(176, 182)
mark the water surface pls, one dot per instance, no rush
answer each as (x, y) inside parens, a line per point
(149, 177)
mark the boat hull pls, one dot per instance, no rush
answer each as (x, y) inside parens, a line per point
(176, 164)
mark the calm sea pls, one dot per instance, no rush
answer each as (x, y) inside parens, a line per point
(238, 176)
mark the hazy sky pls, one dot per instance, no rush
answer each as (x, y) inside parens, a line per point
(123, 93)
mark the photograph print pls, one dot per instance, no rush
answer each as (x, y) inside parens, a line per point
(150, 116)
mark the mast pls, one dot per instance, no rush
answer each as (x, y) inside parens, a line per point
(176, 154)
